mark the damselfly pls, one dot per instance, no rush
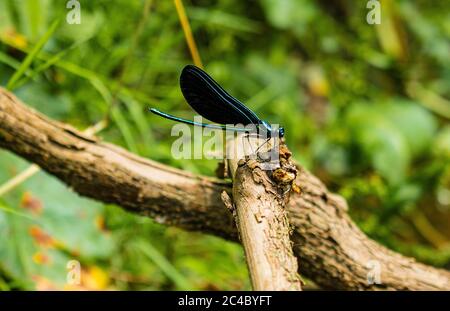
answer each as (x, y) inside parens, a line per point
(212, 102)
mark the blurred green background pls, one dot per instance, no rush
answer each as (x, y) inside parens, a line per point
(366, 108)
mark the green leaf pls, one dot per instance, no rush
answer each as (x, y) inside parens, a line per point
(415, 123)
(223, 19)
(33, 17)
(5, 16)
(293, 14)
(68, 219)
(90, 25)
(381, 141)
(442, 142)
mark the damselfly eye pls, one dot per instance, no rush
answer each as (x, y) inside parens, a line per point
(281, 132)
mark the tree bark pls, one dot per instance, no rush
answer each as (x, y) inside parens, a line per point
(259, 210)
(332, 251)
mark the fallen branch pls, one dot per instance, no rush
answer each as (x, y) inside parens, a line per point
(332, 251)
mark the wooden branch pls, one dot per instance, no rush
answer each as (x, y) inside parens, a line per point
(262, 223)
(332, 251)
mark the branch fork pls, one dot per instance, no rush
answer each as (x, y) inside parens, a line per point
(332, 251)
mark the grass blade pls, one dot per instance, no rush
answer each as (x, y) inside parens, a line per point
(166, 267)
(31, 56)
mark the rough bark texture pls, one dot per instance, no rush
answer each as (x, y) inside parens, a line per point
(259, 210)
(332, 251)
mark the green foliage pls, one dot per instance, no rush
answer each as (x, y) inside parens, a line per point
(390, 135)
(44, 225)
(365, 107)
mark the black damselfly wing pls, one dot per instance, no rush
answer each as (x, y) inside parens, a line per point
(211, 101)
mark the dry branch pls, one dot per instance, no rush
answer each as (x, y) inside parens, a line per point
(259, 209)
(332, 251)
